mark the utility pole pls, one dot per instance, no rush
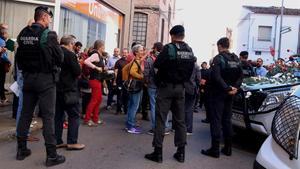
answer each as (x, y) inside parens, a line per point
(280, 29)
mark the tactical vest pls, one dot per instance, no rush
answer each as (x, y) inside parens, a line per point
(95, 74)
(180, 63)
(230, 68)
(30, 57)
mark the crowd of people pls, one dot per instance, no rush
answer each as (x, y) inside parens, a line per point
(53, 76)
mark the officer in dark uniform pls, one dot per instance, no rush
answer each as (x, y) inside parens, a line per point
(39, 57)
(248, 70)
(173, 67)
(226, 78)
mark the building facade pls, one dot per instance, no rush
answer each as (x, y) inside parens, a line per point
(117, 22)
(152, 20)
(259, 28)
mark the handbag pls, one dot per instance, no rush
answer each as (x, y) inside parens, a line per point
(133, 85)
(71, 97)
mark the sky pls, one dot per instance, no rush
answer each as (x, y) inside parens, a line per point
(206, 21)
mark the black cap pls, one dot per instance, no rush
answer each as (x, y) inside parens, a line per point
(177, 30)
(44, 9)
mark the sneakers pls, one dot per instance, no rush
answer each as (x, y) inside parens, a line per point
(134, 130)
(189, 133)
(90, 123)
(108, 107)
(150, 132)
(65, 125)
(100, 122)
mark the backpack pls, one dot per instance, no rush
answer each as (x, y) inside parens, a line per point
(126, 71)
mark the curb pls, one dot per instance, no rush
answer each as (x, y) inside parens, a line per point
(10, 134)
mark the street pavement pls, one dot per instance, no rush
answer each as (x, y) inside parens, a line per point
(109, 147)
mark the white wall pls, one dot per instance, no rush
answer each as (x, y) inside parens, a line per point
(247, 39)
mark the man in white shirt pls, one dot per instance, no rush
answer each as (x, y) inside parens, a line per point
(110, 83)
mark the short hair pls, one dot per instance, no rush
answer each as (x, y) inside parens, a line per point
(136, 48)
(38, 15)
(224, 43)
(78, 44)
(98, 44)
(125, 49)
(244, 54)
(3, 30)
(135, 43)
(203, 63)
(67, 40)
(158, 45)
(260, 59)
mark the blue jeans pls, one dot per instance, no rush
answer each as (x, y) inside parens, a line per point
(152, 96)
(20, 80)
(133, 105)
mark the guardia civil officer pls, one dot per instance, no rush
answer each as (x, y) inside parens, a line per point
(39, 57)
(174, 66)
(248, 70)
(226, 78)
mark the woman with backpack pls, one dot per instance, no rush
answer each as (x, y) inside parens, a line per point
(135, 76)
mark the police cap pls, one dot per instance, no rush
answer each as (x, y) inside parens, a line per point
(177, 30)
(44, 9)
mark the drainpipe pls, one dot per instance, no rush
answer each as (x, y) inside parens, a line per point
(280, 35)
(56, 15)
(248, 43)
(130, 20)
(298, 51)
(275, 36)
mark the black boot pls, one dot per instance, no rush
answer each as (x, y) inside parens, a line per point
(227, 150)
(179, 155)
(214, 151)
(156, 156)
(52, 157)
(22, 151)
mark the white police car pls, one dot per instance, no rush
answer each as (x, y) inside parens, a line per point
(255, 104)
(281, 149)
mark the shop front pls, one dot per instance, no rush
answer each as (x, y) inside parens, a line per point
(90, 20)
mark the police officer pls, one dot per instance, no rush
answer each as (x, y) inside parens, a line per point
(173, 66)
(226, 78)
(248, 70)
(38, 56)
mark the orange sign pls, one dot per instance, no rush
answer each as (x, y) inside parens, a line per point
(94, 9)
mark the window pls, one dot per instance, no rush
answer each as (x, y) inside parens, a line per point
(162, 31)
(257, 52)
(265, 33)
(139, 31)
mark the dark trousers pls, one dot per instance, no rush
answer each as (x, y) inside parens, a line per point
(86, 97)
(170, 97)
(111, 92)
(46, 99)
(73, 120)
(202, 99)
(188, 108)
(206, 97)
(15, 106)
(145, 103)
(2, 82)
(122, 99)
(221, 112)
